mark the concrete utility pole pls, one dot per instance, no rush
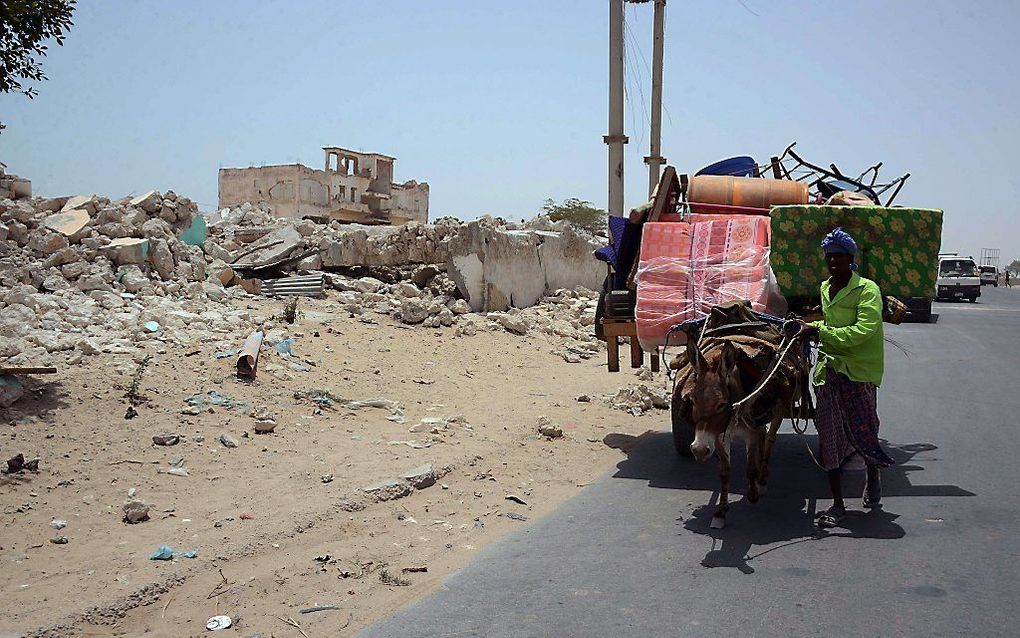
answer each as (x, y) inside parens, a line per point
(654, 159)
(616, 139)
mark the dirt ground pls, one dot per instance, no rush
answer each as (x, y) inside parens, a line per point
(281, 522)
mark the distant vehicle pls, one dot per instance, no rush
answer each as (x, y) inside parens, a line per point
(958, 278)
(989, 275)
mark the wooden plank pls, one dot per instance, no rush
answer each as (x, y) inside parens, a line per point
(27, 370)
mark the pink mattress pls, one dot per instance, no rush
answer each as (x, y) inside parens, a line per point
(686, 268)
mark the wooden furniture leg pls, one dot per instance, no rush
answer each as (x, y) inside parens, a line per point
(613, 348)
(654, 354)
(637, 356)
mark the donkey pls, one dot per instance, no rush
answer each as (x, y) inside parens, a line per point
(717, 385)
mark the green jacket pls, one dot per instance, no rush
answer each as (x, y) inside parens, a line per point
(851, 332)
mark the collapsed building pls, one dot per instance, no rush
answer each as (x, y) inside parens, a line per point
(351, 187)
(12, 186)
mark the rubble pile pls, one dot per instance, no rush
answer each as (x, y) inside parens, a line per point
(85, 274)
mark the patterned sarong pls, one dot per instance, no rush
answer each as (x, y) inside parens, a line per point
(847, 423)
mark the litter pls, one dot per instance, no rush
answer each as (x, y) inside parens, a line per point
(217, 623)
(165, 552)
(151, 326)
(248, 358)
(396, 411)
(283, 347)
(214, 398)
(311, 610)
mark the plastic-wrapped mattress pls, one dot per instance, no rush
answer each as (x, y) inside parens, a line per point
(685, 268)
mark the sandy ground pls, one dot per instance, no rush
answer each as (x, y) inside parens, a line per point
(278, 521)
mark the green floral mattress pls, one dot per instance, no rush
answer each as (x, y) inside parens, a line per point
(897, 247)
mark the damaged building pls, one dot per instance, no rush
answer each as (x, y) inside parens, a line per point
(351, 187)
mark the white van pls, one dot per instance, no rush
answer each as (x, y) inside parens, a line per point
(958, 278)
(989, 275)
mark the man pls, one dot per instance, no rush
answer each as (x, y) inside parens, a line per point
(851, 361)
(1007, 277)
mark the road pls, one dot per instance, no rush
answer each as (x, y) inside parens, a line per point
(633, 554)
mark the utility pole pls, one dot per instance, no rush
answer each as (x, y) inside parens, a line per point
(654, 159)
(616, 139)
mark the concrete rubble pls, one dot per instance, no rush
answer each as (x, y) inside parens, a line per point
(85, 275)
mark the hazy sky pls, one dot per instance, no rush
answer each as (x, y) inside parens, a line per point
(499, 105)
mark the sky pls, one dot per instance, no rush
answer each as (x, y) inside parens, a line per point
(500, 105)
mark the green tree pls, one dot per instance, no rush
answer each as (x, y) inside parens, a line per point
(25, 26)
(578, 212)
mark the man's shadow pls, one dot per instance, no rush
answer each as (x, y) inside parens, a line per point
(786, 515)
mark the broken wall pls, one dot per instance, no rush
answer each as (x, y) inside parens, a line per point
(496, 268)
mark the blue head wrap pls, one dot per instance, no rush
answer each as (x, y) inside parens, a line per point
(839, 241)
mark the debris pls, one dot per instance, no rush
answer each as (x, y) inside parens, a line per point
(151, 326)
(283, 347)
(67, 223)
(515, 499)
(584, 398)
(248, 358)
(421, 477)
(388, 489)
(327, 478)
(58, 523)
(17, 464)
(11, 389)
(515, 516)
(312, 610)
(306, 286)
(414, 569)
(247, 516)
(227, 440)
(165, 552)
(638, 400)
(135, 511)
(6, 370)
(177, 471)
(215, 398)
(217, 623)
(396, 411)
(131, 412)
(59, 539)
(196, 233)
(547, 429)
(321, 398)
(166, 439)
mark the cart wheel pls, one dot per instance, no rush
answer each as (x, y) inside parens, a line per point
(683, 434)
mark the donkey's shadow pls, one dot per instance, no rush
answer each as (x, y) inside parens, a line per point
(786, 515)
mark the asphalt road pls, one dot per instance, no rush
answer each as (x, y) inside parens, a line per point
(633, 554)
